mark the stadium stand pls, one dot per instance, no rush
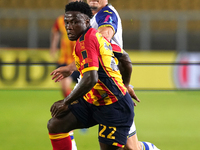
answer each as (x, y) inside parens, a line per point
(128, 4)
(131, 26)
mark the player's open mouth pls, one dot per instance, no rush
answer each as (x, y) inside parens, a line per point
(70, 35)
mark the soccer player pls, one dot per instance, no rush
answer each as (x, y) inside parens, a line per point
(100, 97)
(107, 21)
(59, 34)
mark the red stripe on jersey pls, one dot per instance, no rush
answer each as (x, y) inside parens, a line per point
(97, 94)
(114, 80)
(116, 48)
(88, 98)
(121, 87)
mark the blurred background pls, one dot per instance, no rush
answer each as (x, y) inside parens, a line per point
(147, 24)
(154, 32)
(163, 41)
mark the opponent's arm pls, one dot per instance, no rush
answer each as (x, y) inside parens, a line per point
(87, 82)
(125, 67)
(107, 32)
(125, 64)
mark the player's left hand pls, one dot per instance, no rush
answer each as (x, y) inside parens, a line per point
(61, 73)
(58, 108)
(133, 95)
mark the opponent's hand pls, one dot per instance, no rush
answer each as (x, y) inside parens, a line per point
(60, 73)
(133, 95)
(58, 108)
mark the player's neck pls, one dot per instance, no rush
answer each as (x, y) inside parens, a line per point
(94, 11)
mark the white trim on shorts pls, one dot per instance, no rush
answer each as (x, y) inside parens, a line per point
(132, 130)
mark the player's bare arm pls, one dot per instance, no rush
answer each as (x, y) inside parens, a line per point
(125, 67)
(87, 82)
(63, 72)
(55, 37)
(107, 32)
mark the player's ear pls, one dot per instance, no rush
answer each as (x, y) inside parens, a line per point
(87, 22)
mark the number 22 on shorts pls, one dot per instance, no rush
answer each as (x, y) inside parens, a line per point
(110, 135)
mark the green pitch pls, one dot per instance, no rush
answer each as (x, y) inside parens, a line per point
(169, 119)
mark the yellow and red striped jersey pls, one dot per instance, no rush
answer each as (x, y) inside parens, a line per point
(93, 52)
(66, 46)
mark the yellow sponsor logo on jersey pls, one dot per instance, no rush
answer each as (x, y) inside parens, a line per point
(82, 45)
(108, 11)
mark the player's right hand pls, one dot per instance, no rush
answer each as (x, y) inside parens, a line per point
(58, 108)
(132, 94)
(60, 73)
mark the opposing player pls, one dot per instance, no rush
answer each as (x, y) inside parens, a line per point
(99, 95)
(107, 21)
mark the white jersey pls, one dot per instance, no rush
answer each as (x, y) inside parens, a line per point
(108, 16)
(148, 146)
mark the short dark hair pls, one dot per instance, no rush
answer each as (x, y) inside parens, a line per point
(79, 6)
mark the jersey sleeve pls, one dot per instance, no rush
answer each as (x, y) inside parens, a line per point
(88, 54)
(55, 27)
(107, 17)
(117, 50)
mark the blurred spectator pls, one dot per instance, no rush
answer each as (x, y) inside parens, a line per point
(59, 34)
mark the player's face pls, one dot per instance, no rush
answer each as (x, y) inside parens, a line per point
(97, 4)
(75, 24)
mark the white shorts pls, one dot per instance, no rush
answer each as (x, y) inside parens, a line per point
(132, 130)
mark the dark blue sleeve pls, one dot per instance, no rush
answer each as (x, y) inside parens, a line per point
(117, 55)
(107, 17)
